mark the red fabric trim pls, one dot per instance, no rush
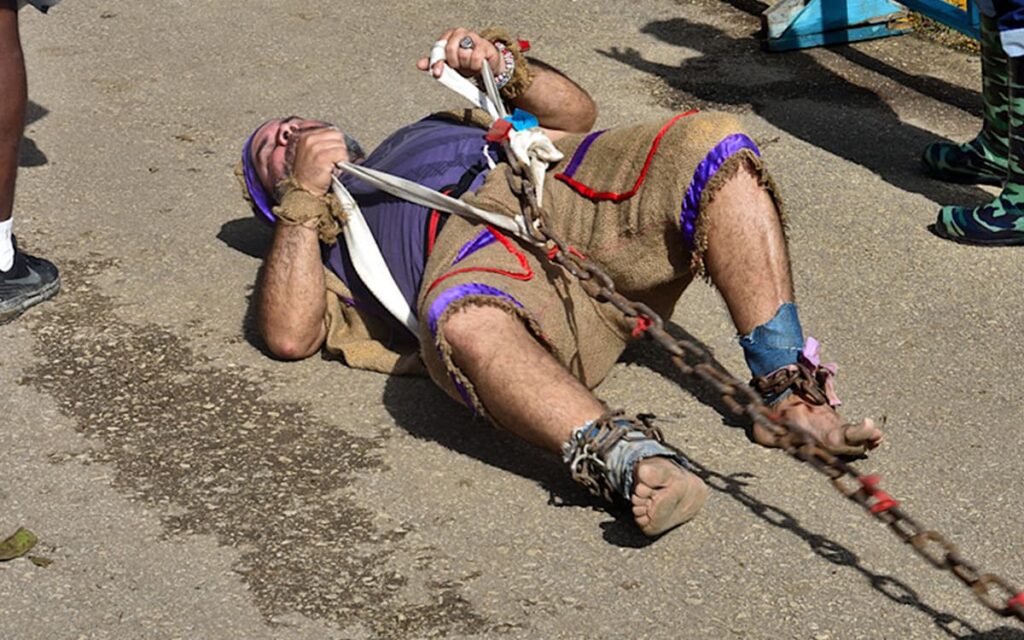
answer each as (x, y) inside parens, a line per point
(498, 131)
(588, 192)
(525, 274)
(435, 219)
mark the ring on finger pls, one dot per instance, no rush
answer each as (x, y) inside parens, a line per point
(466, 43)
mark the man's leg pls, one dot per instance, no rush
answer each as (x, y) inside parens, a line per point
(982, 160)
(12, 108)
(24, 280)
(747, 260)
(527, 392)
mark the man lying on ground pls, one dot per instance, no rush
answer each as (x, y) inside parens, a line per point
(500, 328)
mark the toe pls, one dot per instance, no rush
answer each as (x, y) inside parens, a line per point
(642, 491)
(865, 433)
(764, 437)
(854, 439)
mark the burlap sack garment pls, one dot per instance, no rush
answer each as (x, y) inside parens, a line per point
(639, 240)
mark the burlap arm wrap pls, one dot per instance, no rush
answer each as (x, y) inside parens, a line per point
(522, 77)
(300, 207)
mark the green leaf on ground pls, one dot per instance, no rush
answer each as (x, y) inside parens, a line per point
(17, 545)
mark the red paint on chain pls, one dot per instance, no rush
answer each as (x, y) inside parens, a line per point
(572, 250)
(884, 500)
(643, 323)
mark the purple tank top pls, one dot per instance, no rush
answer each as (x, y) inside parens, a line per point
(433, 152)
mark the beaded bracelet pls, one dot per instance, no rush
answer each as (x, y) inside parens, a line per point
(503, 78)
(519, 73)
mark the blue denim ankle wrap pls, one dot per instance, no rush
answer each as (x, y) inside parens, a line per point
(624, 455)
(774, 344)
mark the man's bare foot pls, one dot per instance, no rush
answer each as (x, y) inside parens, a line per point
(665, 495)
(822, 421)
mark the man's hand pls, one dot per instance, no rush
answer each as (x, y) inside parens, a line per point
(313, 157)
(468, 62)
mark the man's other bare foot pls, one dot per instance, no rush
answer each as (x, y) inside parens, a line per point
(822, 421)
(665, 495)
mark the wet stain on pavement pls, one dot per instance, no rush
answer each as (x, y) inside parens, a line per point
(201, 444)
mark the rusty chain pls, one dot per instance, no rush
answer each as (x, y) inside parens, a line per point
(993, 591)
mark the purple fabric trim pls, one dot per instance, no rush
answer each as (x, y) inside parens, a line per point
(262, 202)
(483, 239)
(449, 296)
(463, 392)
(707, 168)
(581, 151)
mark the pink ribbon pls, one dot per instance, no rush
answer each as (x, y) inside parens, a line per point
(824, 373)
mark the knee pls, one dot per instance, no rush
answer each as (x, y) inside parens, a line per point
(474, 328)
(747, 182)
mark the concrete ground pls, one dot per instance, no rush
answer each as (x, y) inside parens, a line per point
(185, 485)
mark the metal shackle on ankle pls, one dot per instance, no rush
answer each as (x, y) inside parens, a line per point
(602, 453)
(807, 377)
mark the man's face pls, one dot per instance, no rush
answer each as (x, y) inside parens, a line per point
(271, 157)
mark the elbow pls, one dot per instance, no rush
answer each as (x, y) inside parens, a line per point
(589, 117)
(290, 345)
(289, 350)
(583, 119)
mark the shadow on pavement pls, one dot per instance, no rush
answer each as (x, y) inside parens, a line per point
(425, 412)
(30, 155)
(734, 486)
(247, 235)
(800, 96)
(935, 88)
(418, 407)
(649, 355)
(251, 237)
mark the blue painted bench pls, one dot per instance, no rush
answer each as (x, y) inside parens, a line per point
(798, 24)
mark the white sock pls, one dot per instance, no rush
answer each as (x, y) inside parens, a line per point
(6, 246)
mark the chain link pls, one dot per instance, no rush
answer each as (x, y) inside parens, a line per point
(991, 590)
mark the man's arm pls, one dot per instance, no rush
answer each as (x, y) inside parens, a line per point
(560, 105)
(291, 301)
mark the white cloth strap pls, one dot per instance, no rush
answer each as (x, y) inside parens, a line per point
(460, 85)
(417, 193)
(368, 261)
(530, 148)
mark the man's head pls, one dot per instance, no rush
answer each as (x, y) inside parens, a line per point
(268, 154)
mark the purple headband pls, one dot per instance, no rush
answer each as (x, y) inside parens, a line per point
(262, 203)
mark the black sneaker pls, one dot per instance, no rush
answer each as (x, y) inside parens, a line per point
(30, 281)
